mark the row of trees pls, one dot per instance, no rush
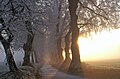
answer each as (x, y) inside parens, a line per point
(40, 26)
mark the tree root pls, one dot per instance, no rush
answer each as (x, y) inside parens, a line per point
(24, 72)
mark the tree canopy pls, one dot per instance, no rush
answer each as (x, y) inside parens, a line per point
(96, 15)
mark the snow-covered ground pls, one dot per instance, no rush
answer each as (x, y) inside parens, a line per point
(48, 72)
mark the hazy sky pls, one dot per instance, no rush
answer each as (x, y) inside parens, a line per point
(105, 45)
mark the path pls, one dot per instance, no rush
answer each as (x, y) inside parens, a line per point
(48, 72)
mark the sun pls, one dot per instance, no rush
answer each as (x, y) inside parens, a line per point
(100, 46)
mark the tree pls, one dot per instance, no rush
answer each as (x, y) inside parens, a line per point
(46, 24)
(6, 37)
(28, 45)
(62, 27)
(15, 14)
(59, 39)
(90, 16)
(75, 63)
(95, 16)
(67, 60)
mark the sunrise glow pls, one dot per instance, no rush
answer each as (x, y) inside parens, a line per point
(101, 46)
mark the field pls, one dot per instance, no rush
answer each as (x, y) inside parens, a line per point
(107, 69)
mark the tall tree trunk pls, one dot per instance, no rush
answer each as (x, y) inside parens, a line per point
(9, 56)
(67, 44)
(6, 44)
(59, 40)
(75, 65)
(59, 48)
(28, 45)
(67, 61)
(27, 48)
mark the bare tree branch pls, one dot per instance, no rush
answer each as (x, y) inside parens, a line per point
(93, 11)
(98, 7)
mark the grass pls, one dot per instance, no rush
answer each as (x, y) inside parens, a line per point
(101, 73)
(101, 70)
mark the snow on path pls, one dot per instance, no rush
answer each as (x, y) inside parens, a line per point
(48, 72)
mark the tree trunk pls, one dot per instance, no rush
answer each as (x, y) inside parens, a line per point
(28, 45)
(27, 48)
(75, 65)
(6, 44)
(67, 61)
(59, 48)
(9, 56)
(67, 44)
(59, 40)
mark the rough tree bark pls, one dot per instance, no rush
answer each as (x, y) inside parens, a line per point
(75, 65)
(59, 39)
(67, 60)
(59, 48)
(9, 56)
(6, 45)
(27, 47)
(67, 44)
